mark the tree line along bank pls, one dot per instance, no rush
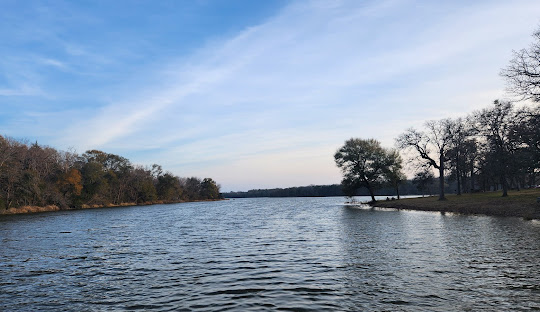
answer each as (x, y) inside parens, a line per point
(494, 148)
(407, 187)
(497, 147)
(35, 175)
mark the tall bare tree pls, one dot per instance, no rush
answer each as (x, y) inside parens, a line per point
(432, 146)
(462, 153)
(523, 72)
(496, 124)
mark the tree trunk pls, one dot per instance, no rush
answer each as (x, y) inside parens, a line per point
(472, 179)
(458, 182)
(504, 186)
(441, 179)
(458, 175)
(397, 191)
(371, 194)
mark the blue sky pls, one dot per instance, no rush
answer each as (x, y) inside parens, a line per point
(254, 94)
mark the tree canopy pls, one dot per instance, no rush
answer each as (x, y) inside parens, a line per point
(497, 147)
(365, 163)
(34, 175)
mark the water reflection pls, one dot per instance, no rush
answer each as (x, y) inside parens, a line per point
(434, 261)
(266, 254)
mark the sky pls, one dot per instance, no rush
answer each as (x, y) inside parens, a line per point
(254, 94)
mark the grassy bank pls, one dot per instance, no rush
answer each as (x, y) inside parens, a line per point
(33, 209)
(517, 204)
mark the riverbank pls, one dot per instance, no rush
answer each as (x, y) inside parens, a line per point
(34, 209)
(518, 204)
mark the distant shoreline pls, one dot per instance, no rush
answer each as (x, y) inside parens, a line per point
(518, 204)
(49, 208)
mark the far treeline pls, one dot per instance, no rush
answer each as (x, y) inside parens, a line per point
(35, 175)
(495, 148)
(407, 187)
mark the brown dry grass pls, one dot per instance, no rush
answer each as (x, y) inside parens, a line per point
(31, 209)
(517, 204)
(85, 206)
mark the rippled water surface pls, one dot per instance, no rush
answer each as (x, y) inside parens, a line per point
(267, 254)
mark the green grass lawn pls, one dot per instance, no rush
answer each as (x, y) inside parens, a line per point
(518, 204)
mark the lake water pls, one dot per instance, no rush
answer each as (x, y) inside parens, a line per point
(297, 254)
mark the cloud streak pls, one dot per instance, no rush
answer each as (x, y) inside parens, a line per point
(268, 106)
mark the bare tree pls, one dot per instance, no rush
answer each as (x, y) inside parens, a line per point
(432, 146)
(528, 133)
(496, 124)
(462, 153)
(523, 72)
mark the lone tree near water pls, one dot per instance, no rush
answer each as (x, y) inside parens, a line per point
(365, 163)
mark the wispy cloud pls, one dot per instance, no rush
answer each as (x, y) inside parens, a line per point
(269, 105)
(23, 90)
(52, 62)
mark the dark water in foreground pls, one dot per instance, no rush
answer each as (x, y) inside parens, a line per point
(267, 254)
